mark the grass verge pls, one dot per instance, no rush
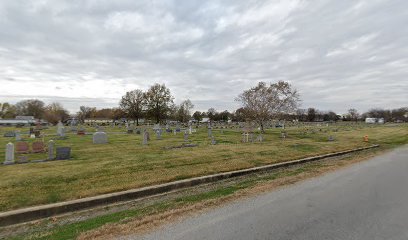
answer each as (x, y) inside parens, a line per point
(142, 217)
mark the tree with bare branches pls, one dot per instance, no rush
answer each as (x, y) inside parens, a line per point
(266, 101)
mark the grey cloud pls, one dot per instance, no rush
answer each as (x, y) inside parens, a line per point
(338, 54)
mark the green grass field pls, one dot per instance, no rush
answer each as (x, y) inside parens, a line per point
(125, 163)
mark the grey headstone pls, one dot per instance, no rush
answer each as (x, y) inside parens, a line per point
(245, 137)
(209, 132)
(146, 137)
(18, 136)
(51, 147)
(9, 154)
(63, 153)
(186, 136)
(100, 138)
(60, 129)
(213, 142)
(9, 134)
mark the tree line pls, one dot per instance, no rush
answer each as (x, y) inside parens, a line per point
(259, 104)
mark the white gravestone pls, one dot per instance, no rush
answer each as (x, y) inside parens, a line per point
(100, 138)
(51, 146)
(60, 129)
(145, 137)
(9, 154)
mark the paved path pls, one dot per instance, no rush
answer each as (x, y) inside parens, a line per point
(368, 200)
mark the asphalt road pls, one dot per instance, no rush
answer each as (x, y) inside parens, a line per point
(368, 200)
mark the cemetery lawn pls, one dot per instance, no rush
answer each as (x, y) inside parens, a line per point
(124, 163)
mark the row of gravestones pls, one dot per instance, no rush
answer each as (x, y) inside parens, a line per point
(62, 153)
(32, 134)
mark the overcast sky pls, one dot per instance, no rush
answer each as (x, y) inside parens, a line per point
(338, 54)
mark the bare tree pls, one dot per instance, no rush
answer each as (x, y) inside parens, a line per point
(353, 114)
(132, 103)
(263, 102)
(85, 112)
(55, 112)
(184, 110)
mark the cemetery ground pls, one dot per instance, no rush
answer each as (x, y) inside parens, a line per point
(146, 214)
(125, 163)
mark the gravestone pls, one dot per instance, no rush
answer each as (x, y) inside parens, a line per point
(138, 131)
(259, 138)
(158, 131)
(9, 134)
(213, 142)
(159, 134)
(146, 137)
(62, 132)
(60, 129)
(245, 137)
(74, 128)
(81, 131)
(63, 153)
(186, 136)
(284, 135)
(209, 132)
(18, 136)
(22, 147)
(38, 147)
(100, 138)
(251, 137)
(331, 138)
(9, 154)
(51, 146)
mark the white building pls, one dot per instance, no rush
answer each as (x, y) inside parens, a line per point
(375, 120)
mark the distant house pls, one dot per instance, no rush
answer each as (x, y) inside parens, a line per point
(375, 120)
(29, 118)
(205, 120)
(18, 121)
(98, 120)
